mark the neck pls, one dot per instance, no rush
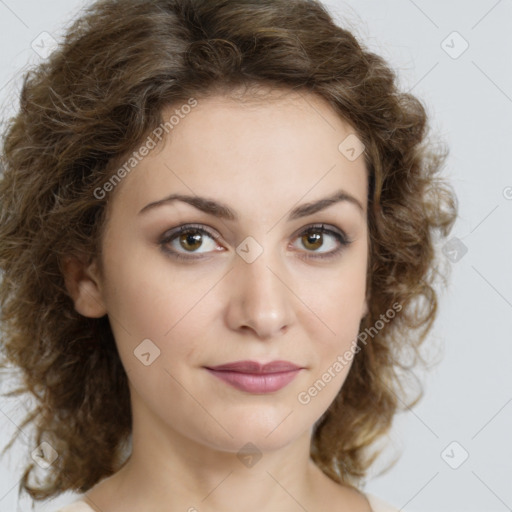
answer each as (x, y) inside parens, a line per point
(169, 471)
(186, 474)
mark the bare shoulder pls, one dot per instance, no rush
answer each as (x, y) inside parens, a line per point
(336, 496)
(76, 506)
(378, 505)
(331, 495)
(357, 501)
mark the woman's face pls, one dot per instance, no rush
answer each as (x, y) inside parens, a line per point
(253, 277)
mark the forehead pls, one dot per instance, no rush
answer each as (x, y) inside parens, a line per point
(259, 145)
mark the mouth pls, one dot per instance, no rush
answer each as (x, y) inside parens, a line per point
(253, 377)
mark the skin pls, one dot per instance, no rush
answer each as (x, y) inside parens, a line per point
(260, 158)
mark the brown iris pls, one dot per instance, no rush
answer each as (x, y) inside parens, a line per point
(191, 240)
(312, 240)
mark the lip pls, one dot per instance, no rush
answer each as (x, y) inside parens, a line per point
(255, 367)
(253, 377)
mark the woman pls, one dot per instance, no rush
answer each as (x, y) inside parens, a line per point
(218, 223)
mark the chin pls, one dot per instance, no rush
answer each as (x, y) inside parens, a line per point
(267, 433)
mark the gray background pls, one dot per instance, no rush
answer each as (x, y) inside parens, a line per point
(455, 446)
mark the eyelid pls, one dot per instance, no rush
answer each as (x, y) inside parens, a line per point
(189, 227)
(324, 227)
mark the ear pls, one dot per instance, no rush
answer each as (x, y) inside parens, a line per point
(84, 286)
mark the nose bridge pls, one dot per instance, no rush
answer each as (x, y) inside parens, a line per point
(259, 298)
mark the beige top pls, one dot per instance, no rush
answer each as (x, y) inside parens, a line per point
(376, 503)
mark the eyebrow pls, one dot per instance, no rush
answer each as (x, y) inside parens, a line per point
(222, 211)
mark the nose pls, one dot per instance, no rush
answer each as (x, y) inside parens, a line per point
(260, 299)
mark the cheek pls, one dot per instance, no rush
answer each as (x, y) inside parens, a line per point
(338, 303)
(147, 294)
(153, 311)
(333, 349)
(337, 297)
(150, 299)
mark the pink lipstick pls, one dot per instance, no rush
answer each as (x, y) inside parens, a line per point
(254, 377)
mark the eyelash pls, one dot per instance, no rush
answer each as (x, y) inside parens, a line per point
(197, 228)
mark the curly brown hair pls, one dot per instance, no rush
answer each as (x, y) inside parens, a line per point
(92, 102)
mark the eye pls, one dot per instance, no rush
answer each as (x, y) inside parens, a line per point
(319, 237)
(189, 239)
(186, 241)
